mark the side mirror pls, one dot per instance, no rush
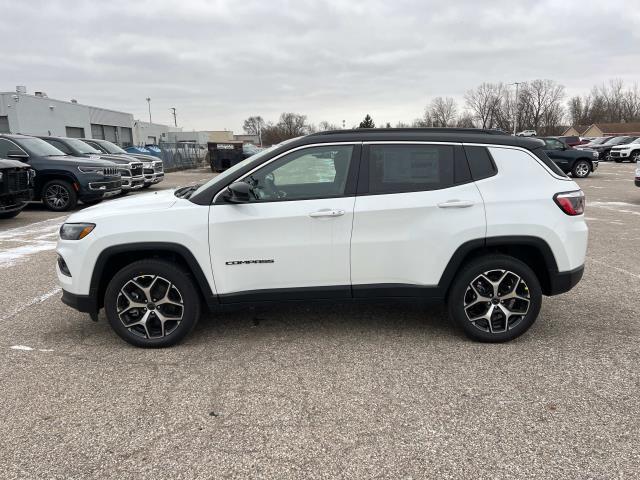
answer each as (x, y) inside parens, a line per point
(17, 154)
(238, 192)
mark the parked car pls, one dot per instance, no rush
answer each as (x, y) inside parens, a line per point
(604, 149)
(527, 133)
(249, 149)
(627, 151)
(579, 163)
(61, 180)
(593, 142)
(153, 168)
(572, 141)
(16, 187)
(638, 174)
(487, 223)
(131, 169)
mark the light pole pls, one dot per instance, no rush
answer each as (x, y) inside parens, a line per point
(175, 122)
(149, 102)
(515, 109)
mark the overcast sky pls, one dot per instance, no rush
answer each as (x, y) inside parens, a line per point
(220, 61)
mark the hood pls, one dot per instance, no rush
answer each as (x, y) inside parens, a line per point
(81, 161)
(12, 164)
(144, 158)
(119, 158)
(135, 204)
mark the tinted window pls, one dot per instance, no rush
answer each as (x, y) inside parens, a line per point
(5, 146)
(480, 162)
(316, 172)
(553, 144)
(410, 168)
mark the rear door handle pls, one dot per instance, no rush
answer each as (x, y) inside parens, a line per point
(456, 204)
(327, 212)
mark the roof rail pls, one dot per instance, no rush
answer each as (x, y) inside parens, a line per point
(474, 131)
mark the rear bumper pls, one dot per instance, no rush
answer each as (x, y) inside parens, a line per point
(561, 282)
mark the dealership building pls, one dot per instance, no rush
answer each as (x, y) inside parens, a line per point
(38, 114)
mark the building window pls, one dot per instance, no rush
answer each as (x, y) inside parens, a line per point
(75, 132)
(4, 124)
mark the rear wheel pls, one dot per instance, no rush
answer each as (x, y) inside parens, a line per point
(495, 299)
(59, 196)
(581, 169)
(152, 303)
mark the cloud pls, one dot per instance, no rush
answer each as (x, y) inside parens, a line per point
(220, 61)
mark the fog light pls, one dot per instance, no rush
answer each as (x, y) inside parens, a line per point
(62, 265)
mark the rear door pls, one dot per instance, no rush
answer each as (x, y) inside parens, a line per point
(416, 205)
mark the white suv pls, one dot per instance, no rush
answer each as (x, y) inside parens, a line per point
(527, 133)
(485, 222)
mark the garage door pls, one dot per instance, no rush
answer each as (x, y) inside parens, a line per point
(75, 132)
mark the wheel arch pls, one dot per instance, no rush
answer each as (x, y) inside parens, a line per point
(533, 251)
(43, 178)
(116, 257)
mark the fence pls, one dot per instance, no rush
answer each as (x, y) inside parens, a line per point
(181, 155)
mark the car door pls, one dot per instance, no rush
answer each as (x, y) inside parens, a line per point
(416, 205)
(292, 239)
(557, 151)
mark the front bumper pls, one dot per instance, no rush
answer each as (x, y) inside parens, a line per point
(620, 153)
(81, 303)
(561, 282)
(132, 183)
(15, 201)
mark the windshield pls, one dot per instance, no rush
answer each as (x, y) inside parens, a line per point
(38, 147)
(230, 171)
(111, 147)
(81, 147)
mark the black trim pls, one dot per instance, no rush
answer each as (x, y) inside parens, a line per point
(542, 246)
(336, 292)
(397, 290)
(561, 282)
(82, 303)
(201, 280)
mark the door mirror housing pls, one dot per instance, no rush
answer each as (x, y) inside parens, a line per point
(238, 192)
(17, 154)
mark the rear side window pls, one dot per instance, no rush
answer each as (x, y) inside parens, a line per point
(410, 168)
(541, 154)
(480, 162)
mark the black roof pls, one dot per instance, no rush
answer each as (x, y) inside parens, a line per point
(463, 135)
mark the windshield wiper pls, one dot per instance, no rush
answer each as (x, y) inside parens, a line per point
(186, 192)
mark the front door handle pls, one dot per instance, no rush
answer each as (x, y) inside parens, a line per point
(327, 212)
(456, 204)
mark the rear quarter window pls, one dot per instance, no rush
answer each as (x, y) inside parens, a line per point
(480, 162)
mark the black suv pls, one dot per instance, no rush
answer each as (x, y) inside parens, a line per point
(579, 163)
(61, 180)
(130, 168)
(604, 149)
(16, 180)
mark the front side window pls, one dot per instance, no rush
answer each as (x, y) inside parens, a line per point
(316, 172)
(553, 144)
(410, 168)
(59, 145)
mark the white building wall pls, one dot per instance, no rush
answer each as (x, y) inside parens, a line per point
(145, 133)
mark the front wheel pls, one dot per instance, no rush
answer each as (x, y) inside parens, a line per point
(152, 303)
(495, 298)
(581, 169)
(59, 196)
(635, 157)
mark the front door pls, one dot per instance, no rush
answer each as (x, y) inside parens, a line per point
(292, 240)
(557, 151)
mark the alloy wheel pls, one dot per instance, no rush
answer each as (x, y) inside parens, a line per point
(496, 301)
(57, 196)
(150, 306)
(582, 170)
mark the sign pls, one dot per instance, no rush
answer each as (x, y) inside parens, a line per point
(224, 146)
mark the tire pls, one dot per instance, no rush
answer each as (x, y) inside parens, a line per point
(59, 196)
(618, 160)
(635, 157)
(510, 318)
(8, 215)
(179, 297)
(146, 186)
(581, 169)
(124, 193)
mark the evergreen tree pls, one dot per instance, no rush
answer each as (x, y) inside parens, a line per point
(367, 122)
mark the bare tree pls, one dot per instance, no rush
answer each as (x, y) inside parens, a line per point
(484, 102)
(253, 125)
(466, 120)
(442, 111)
(324, 126)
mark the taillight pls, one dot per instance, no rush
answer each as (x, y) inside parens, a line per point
(571, 203)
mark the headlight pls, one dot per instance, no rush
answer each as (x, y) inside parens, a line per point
(98, 170)
(147, 165)
(76, 231)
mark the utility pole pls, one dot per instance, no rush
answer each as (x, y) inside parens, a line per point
(175, 122)
(515, 109)
(149, 102)
(259, 134)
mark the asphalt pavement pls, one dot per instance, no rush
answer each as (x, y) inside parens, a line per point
(327, 391)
